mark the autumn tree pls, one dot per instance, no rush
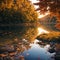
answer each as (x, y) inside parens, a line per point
(28, 9)
(53, 6)
(6, 4)
(13, 14)
(50, 37)
(17, 10)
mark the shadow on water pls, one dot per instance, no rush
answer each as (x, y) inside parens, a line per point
(19, 43)
(10, 33)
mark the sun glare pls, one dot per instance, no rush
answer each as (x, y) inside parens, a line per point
(43, 15)
(41, 31)
(34, 1)
(39, 15)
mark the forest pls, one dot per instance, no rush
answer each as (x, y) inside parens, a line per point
(16, 16)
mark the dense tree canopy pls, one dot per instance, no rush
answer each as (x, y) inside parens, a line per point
(19, 32)
(17, 11)
(14, 16)
(53, 6)
(6, 4)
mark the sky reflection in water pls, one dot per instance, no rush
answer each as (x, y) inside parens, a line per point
(36, 52)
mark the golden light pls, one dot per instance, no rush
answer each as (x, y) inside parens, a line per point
(39, 15)
(43, 15)
(34, 1)
(41, 31)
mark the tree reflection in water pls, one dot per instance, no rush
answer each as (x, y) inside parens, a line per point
(21, 47)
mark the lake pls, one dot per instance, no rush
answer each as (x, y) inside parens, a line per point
(37, 52)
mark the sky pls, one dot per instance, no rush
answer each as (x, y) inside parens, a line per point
(39, 15)
(40, 30)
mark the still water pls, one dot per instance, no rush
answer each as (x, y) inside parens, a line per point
(38, 52)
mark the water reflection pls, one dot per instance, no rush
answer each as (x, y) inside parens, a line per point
(26, 50)
(36, 52)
